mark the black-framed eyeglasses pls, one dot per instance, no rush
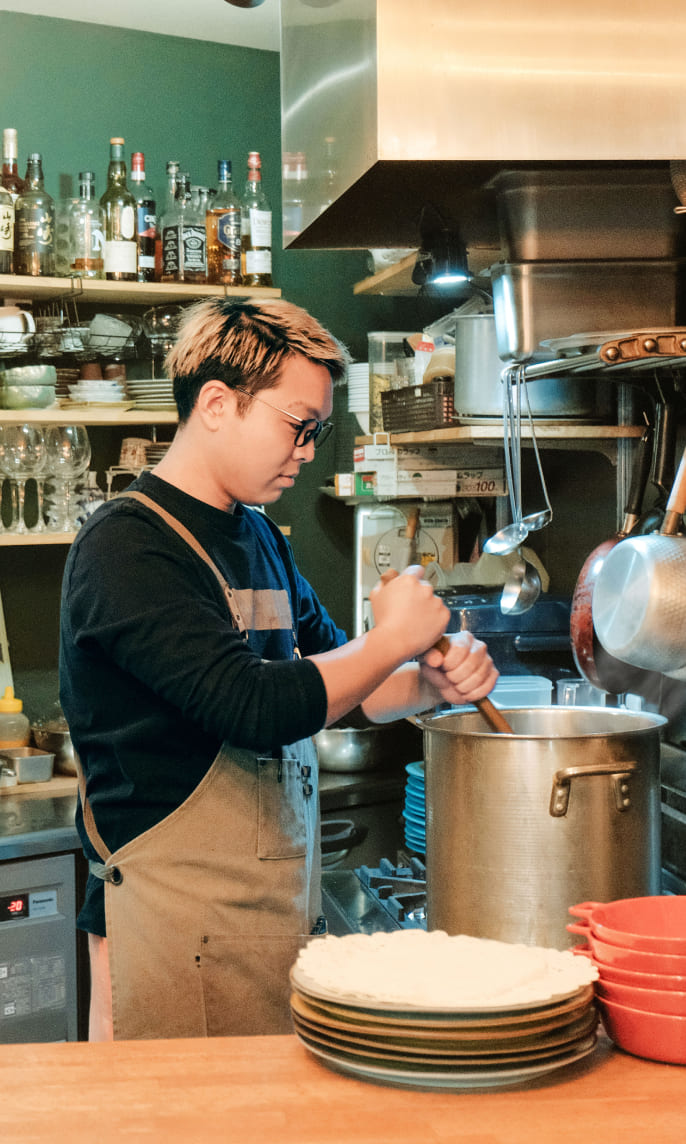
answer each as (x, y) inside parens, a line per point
(310, 429)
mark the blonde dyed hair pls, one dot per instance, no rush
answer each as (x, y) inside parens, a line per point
(246, 344)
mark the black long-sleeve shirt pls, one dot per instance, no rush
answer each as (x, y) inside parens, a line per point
(153, 674)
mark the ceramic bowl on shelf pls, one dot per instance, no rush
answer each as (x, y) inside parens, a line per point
(651, 924)
(655, 1036)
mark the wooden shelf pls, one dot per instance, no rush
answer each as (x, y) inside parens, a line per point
(548, 431)
(64, 415)
(22, 539)
(27, 288)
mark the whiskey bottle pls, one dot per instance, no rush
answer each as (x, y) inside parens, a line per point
(193, 238)
(170, 227)
(146, 218)
(119, 206)
(86, 232)
(172, 176)
(6, 232)
(10, 179)
(223, 226)
(34, 224)
(256, 228)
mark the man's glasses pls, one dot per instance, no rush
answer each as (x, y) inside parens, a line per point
(309, 430)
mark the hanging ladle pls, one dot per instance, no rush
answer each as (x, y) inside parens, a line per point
(506, 539)
(522, 588)
(535, 521)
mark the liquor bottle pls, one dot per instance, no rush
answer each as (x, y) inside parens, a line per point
(256, 228)
(34, 224)
(193, 239)
(146, 218)
(223, 226)
(11, 180)
(6, 232)
(86, 232)
(172, 176)
(172, 231)
(119, 206)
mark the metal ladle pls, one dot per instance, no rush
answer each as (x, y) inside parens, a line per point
(521, 589)
(535, 521)
(508, 538)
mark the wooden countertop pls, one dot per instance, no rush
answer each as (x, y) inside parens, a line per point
(249, 1089)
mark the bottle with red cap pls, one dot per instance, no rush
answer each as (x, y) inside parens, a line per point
(146, 218)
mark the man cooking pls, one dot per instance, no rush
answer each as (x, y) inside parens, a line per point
(196, 664)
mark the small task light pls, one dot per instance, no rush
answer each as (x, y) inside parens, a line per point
(442, 261)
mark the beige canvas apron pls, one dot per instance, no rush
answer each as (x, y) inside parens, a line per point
(207, 910)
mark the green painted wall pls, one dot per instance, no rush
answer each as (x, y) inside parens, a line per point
(67, 87)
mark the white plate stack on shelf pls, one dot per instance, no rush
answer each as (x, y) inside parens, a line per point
(358, 393)
(152, 393)
(109, 394)
(432, 1011)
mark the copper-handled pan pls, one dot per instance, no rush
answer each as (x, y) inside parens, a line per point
(593, 662)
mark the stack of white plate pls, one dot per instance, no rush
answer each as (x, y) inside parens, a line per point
(414, 810)
(98, 392)
(424, 1010)
(153, 393)
(358, 393)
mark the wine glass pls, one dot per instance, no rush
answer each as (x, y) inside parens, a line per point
(68, 456)
(22, 453)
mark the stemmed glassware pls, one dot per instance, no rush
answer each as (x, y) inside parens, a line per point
(22, 456)
(68, 457)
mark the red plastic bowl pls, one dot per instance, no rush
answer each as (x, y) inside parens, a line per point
(632, 976)
(619, 957)
(648, 1000)
(652, 925)
(655, 1036)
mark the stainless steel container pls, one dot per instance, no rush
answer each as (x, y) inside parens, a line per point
(534, 301)
(478, 388)
(521, 827)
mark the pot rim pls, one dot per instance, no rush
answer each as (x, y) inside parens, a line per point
(641, 721)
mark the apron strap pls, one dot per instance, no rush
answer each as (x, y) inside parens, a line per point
(186, 535)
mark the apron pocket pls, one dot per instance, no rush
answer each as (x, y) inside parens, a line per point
(245, 983)
(281, 829)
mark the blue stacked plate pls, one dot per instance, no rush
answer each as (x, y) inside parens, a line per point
(414, 811)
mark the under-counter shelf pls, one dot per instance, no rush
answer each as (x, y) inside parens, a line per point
(26, 287)
(551, 434)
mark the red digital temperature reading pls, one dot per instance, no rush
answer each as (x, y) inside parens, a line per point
(14, 906)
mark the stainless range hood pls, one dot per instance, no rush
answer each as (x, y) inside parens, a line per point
(420, 101)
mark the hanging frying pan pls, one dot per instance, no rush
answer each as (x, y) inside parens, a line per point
(662, 472)
(593, 662)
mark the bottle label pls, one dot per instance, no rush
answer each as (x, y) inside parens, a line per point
(260, 227)
(35, 230)
(229, 237)
(170, 250)
(120, 257)
(194, 252)
(258, 261)
(6, 226)
(127, 222)
(147, 222)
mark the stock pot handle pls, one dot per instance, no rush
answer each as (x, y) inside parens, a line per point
(562, 783)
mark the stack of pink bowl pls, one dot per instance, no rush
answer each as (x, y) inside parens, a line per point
(639, 948)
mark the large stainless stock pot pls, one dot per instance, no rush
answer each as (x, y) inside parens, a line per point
(519, 827)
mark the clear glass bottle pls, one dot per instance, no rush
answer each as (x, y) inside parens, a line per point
(172, 250)
(256, 228)
(34, 224)
(6, 232)
(86, 232)
(119, 205)
(193, 239)
(223, 227)
(172, 176)
(146, 218)
(11, 179)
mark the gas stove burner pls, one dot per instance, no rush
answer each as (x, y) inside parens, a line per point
(401, 890)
